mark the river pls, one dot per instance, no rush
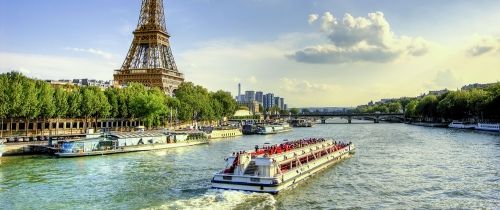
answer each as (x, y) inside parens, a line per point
(395, 166)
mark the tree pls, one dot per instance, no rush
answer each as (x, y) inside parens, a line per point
(4, 100)
(454, 105)
(427, 107)
(411, 107)
(294, 111)
(394, 107)
(274, 110)
(45, 99)
(284, 112)
(61, 102)
(225, 102)
(74, 104)
(89, 105)
(194, 102)
(404, 102)
(112, 96)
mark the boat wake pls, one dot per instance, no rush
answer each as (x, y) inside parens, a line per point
(223, 199)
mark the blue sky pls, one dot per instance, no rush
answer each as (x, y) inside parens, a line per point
(267, 44)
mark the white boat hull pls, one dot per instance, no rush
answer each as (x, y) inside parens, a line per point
(488, 127)
(288, 179)
(131, 149)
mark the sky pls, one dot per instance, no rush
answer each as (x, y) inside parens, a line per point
(311, 52)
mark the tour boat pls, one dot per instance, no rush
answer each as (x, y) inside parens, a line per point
(121, 142)
(274, 168)
(273, 128)
(223, 132)
(488, 127)
(461, 125)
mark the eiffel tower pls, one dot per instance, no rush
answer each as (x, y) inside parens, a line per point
(149, 60)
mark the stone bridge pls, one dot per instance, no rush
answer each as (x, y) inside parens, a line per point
(323, 116)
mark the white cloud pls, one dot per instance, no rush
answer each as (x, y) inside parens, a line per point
(444, 79)
(56, 67)
(304, 86)
(312, 18)
(360, 39)
(252, 80)
(93, 51)
(484, 45)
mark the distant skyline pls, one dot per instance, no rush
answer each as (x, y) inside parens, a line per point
(313, 53)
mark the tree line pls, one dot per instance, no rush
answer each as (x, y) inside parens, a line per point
(23, 97)
(480, 104)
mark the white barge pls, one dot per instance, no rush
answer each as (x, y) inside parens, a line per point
(273, 128)
(461, 125)
(274, 168)
(118, 142)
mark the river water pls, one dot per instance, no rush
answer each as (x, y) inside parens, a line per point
(395, 166)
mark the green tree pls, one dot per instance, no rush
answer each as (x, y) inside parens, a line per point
(274, 110)
(427, 107)
(74, 103)
(61, 102)
(5, 108)
(225, 102)
(194, 102)
(89, 105)
(394, 107)
(45, 99)
(294, 111)
(113, 99)
(411, 109)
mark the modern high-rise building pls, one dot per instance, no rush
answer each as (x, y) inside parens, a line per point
(249, 95)
(239, 89)
(269, 100)
(259, 96)
(277, 102)
(282, 103)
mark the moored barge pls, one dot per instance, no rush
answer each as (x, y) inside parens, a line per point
(274, 168)
(119, 142)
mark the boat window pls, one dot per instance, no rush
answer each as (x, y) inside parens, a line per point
(227, 177)
(255, 179)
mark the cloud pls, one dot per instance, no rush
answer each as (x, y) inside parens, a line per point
(355, 39)
(252, 80)
(99, 53)
(444, 79)
(312, 18)
(483, 46)
(56, 67)
(304, 86)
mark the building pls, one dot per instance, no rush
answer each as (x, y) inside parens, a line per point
(476, 86)
(80, 82)
(277, 102)
(268, 101)
(282, 104)
(253, 106)
(239, 89)
(249, 96)
(438, 92)
(259, 96)
(150, 60)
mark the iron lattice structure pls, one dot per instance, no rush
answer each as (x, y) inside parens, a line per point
(149, 60)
